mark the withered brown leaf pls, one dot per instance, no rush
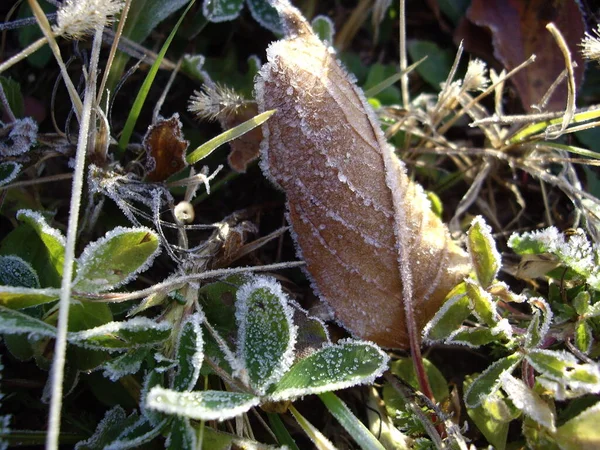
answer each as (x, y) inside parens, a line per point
(165, 148)
(367, 234)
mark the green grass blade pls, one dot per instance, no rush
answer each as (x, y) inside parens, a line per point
(143, 92)
(281, 433)
(208, 147)
(571, 149)
(360, 433)
(372, 92)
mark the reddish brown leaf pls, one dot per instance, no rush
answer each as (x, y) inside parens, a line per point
(165, 149)
(370, 241)
(518, 30)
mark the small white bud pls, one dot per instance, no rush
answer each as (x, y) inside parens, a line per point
(184, 212)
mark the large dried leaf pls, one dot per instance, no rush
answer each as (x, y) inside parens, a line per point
(367, 234)
(518, 30)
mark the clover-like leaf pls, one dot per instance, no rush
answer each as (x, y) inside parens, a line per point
(137, 434)
(449, 317)
(109, 428)
(525, 399)
(125, 364)
(14, 271)
(489, 381)
(266, 335)
(265, 15)
(115, 336)
(564, 368)
(115, 259)
(201, 405)
(181, 435)
(581, 432)
(222, 10)
(189, 353)
(324, 28)
(482, 250)
(347, 363)
(9, 171)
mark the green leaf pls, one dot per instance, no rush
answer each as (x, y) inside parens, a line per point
(474, 337)
(12, 90)
(266, 335)
(582, 432)
(189, 353)
(126, 364)
(449, 317)
(526, 400)
(14, 271)
(355, 428)
(482, 249)
(31, 33)
(115, 259)
(265, 15)
(9, 170)
(181, 435)
(324, 28)
(201, 405)
(208, 147)
(114, 336)
(347, 363)
(583, 336)
(564, 368)
(489, 381)
(152, 379)
(378, 74)
(42, 246)
(14, 322)
(581, 302)
(540, 323)
(138, 434)
(109, 428)
(222, 10)
(492, 417)
(404, 369)
(436, 67)
(483, 304)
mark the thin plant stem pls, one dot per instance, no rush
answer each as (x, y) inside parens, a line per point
(48, 179)
(49, 35)
(26, 52)
(403, 59)
(58, 363)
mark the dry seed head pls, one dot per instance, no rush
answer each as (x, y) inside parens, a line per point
(210, 102)
(476, 77)
(590, 45)
(77, 18)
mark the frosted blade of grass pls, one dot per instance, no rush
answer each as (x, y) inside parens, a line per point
(145, 88)
(361, 434)
(389, 81)
(208, 147)
(320, 441)
(571, 149)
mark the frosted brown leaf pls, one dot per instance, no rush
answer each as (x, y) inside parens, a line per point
(370, 241)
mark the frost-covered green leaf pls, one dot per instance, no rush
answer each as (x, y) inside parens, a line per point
(583, 336)
(12, 91)
(115, 259)
(265, 15)
(109, 428)
(484, 307)
(347, 363)
(482, 250)
(113, 336)
(564, 368)
(266, 335)
(222, 10)
(189, 353)
(14, 271)
(449, 318)
(181, 435)
(19, 297)
(18, 137)
(324, 28)
(9, 171)
(581, 302)
(582, 432)
(14, 322)
(126, 364)
(489, 381)
(540, 323)
(136, 435)
(473, 337)
(42, 246)
(201, 405)
(153, 378)
(525, 399)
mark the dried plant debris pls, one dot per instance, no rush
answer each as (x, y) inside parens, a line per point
(165, 148)
(367, 234)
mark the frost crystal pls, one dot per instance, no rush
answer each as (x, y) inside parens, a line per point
(76, 18)
(22, 135)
